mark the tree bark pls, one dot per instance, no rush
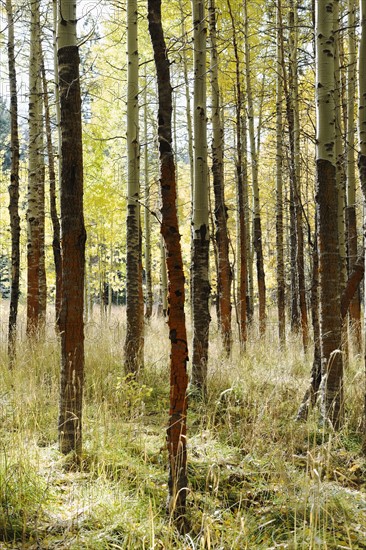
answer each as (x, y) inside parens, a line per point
(224, 273)
(56, 240)
(296, 170)
(241, 181)
(200, 222)
(362, 137)
(177, 446)
(134, 341)
(13, 191)
(36, 291)
(327, 201)
(281, 305)
(149, 294)
(257, 228)
(351, 219)
(73, 237)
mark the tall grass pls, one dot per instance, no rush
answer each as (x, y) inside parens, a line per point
(257, 479)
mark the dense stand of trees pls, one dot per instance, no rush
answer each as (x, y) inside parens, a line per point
(258, 112)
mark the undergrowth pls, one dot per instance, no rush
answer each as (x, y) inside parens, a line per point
(257, 478)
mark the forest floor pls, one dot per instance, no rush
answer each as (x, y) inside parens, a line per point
(257, 478)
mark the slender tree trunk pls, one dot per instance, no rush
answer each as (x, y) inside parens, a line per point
(245, 231)
(340, 165)
(240, 182)
(176, 320)
(56, 87)
(339, 153)
(224, 273)
(362, 99)
(73, 236)
(188, 99)
(296, 172)
(294, 306)
(257, 229)
(42, 222)
(35, 207)
(355, 307)
(56, 241)
(281, 305)
(294, 284)
(200, 222)
(312, 392)
(149, 294)
(329, 265)
(362, 136)
(134, 336)
(13, 190)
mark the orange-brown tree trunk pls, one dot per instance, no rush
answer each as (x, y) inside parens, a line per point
(177, 446)
(73, 254)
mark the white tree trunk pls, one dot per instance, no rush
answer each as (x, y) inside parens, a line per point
(327, 199)
(200, 221)
(134, 307)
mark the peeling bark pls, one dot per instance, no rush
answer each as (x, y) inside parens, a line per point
(176, 434)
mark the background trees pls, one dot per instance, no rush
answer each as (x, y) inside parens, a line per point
(260, 115)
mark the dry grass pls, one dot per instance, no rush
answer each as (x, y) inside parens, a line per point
(257, 478)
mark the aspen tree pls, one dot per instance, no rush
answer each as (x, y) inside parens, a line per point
(247, 251)
(281, 306)
(149, 295)
(294, 307)
(362, 98)
(340, 126)
(176, 440)
(200, 226)
(73, 235)
(36, 278)
(351, 219)
(188, 99)
(224, 273)
(329, 266)
(339, 152)
(13, 190)
(257, 229)
(133, 347)
(362, 128)
(241, 184)
(294, 128)
(56, 244)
